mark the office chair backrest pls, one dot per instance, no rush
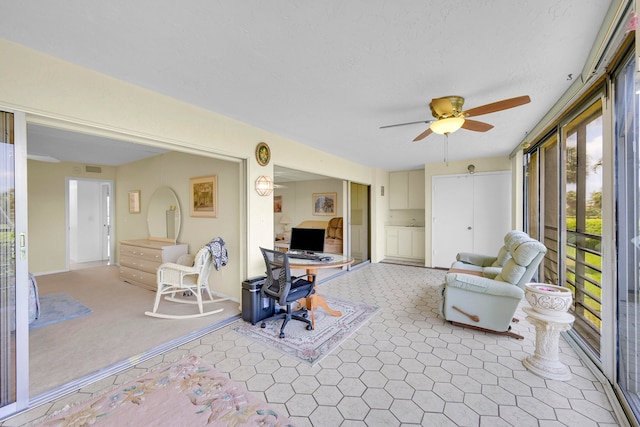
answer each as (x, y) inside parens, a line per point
(278, 281)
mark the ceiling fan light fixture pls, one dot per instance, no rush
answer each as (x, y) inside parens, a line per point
(446, 126)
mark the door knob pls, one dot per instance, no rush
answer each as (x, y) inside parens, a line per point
(468, 228)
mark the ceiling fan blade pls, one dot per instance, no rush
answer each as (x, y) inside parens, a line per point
(423, 135)
(442, 107)
(497, 106)
(476, 126)
(404, 124)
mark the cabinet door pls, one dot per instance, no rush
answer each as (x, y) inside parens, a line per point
(416, 189)
(398, 190)
(417, 244)
(391, 235)
(405, 248)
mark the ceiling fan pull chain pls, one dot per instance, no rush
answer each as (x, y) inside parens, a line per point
(446, 149)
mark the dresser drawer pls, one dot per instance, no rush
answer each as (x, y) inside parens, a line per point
(136, 276)
(140, 259)
(149, 254)
(139, 264)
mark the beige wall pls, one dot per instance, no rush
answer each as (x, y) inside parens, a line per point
(379, 211)
(60, 94)
(174, 170)
(297, 201)
(46, 198)
(453, 168)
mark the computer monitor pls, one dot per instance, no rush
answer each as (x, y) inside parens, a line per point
(307, 239)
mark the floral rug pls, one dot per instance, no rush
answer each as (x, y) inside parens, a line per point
(188, 392)
(312, 346)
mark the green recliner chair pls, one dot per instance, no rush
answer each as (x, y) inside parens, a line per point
(488, 265)
(471, 300)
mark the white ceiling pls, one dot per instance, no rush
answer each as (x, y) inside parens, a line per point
(328, 74)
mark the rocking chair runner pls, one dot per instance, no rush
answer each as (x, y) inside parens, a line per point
(176, 278)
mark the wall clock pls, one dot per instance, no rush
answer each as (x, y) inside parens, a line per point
(263, 154)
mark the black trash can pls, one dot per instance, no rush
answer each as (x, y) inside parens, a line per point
(254, 307)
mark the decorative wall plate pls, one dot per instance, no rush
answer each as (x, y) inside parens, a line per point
(263, 154)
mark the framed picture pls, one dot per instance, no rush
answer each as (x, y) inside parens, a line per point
(325, 203)
(263, 154)
(203, 196)
(277, 204)
(134, 201)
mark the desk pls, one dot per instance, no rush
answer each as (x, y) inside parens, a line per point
(312, 266)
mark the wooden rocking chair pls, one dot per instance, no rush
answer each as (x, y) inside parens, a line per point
(186, 280)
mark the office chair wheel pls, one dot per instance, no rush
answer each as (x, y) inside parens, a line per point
(309, 328)
(281, 334)
(263, 325)
(305, 314)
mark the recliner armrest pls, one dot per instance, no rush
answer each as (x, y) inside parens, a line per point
(475, 259)
(491, 272)
(483, 285)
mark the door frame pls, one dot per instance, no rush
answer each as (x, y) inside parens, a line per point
(21, 267)
(104, 201)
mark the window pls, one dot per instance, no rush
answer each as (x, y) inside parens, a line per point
(583, 221)
(628, 233)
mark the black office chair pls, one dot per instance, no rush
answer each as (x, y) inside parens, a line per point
(285, 289)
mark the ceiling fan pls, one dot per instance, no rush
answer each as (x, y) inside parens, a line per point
(450, 117)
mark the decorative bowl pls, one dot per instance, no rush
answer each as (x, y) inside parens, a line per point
(550, 300)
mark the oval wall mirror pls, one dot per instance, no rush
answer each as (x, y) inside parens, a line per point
(163, 217)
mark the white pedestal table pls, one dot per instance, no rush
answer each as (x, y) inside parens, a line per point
(545, 361)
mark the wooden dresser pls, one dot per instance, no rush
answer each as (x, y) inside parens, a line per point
(140, 259)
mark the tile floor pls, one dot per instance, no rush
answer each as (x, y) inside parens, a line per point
(406, 367)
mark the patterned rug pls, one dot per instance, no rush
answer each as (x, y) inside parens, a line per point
(188, 392)
(57, 307)
(312, 346)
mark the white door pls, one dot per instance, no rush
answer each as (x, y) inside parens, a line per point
(452, 218)
(89, 220)
(471, 213)
(491, 211)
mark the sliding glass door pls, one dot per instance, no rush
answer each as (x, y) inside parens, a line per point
(628, 233)
(564, 208)
(13, 284)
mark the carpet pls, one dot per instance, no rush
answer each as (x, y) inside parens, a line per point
(57, 307)
(311, 347)
(189, 392)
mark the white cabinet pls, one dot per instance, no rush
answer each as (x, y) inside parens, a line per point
(417, 243)
(391, 239)
(140, 259)
(406, 189)
(404, 242)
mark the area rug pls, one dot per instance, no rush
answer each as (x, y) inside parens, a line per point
(189, 392)
(311, 347)
(57, 307)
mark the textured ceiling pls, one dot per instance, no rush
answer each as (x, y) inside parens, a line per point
(328, 74)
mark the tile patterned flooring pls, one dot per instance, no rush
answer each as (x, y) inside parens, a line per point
(406, 367)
